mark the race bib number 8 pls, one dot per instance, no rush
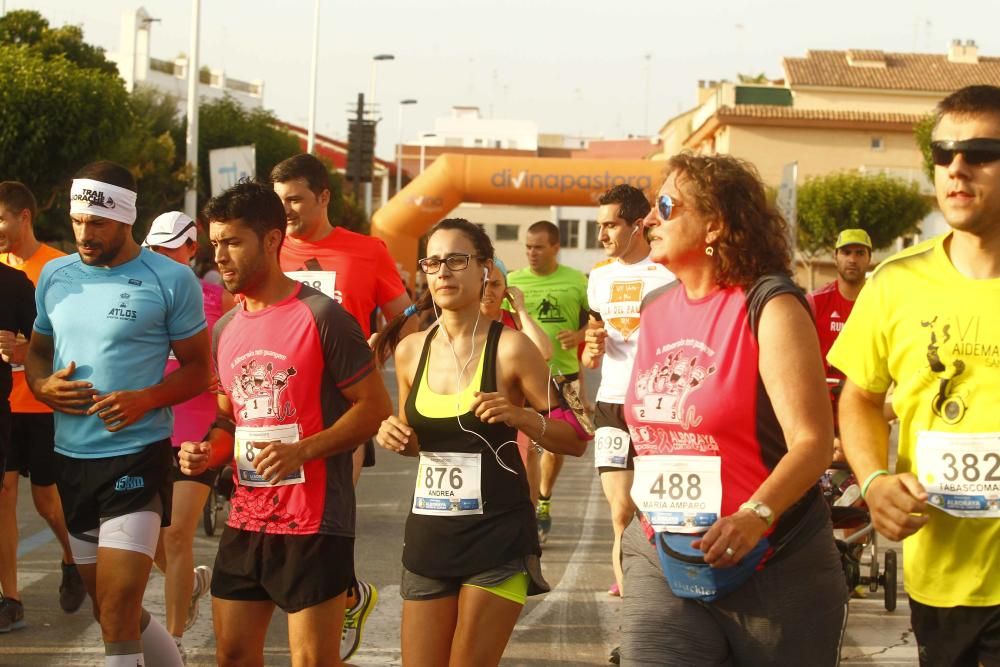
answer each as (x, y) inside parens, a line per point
(679, 494)
(448, 484)
(611, 446)
(323, 281)
(961, 472)
(246, 454)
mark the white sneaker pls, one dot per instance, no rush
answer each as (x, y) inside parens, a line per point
(354, 619)
(202, 584)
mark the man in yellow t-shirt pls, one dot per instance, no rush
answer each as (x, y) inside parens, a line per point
(32, 431)
(928, 321)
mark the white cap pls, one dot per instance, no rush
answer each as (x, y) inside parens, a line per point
(171, 230)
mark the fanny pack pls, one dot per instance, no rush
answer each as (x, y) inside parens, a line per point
(690, 576)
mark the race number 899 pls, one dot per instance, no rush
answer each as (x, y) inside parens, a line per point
(454, 477)
(675, 486)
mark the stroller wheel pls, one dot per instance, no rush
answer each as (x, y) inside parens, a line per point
(889, 580)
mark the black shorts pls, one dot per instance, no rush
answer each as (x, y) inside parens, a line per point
(207, 478)
(369, 454)
(293, 571)
(957, 636)
(33, 447)
(613, 415)
(4, 435)
(96, 489)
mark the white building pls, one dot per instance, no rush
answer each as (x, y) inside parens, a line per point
(137, 66)
(466, 128)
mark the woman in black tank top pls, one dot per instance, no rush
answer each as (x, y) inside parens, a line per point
(471, 547)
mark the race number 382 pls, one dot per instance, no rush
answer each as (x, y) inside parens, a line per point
(961, 472)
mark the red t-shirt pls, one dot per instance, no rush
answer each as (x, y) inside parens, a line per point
(284, 368)
(830, 312)
(365, 273)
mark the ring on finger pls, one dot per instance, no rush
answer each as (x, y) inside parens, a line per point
(730, 552)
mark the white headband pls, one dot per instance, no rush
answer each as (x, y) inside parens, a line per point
(103, 200)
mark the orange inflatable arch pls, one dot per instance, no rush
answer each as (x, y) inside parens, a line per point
(527, 181)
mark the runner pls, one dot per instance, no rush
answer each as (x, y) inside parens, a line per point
(615, 290)
(16, 317)
(734, 561)
(356, 271)
(832, 304)
(32, 436)
(556, 295)
(928, 322)
(107, 318)
(175, 235)
(295, 368)
(470, 551)
(496, 293)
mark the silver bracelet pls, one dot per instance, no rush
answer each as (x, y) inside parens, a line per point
(545, 423)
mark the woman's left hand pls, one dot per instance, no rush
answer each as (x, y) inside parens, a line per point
(731, 538)
(493, 407)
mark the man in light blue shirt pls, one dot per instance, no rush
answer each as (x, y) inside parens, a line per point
(107, 319)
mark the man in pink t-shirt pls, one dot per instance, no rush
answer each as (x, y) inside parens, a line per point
(299, 395)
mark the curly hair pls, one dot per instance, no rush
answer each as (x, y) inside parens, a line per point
(755, 238)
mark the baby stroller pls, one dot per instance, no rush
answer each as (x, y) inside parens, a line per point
(215, 504)
(854, 535)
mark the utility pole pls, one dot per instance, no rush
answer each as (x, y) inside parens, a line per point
(191, 142)
(311, 142)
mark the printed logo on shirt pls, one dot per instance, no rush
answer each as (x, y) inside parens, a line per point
(665, 388)
(548, 310)
(129, 483)
(954, 345)
(257, 390)
(835, 314)
(622, 311)
(124, 310)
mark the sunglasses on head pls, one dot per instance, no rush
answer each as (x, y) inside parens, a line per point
(974, 151)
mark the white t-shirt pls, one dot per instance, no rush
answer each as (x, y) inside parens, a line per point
(615, 290)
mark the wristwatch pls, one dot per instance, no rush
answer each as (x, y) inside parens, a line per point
(760, 509)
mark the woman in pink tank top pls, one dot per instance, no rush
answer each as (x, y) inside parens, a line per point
(733, 559)
(176, 235)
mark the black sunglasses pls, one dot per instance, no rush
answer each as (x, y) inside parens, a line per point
(974, 151)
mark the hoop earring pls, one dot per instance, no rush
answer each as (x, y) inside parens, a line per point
(709, 250)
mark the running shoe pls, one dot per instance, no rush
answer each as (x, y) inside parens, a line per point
(202, 583)
(72, 592)
(11, 615)
(616, 656)
(355, 617)
(544, 517)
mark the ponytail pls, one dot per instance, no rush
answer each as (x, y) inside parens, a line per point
(388, 339)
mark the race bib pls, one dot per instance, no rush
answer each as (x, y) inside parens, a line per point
(324, 281)
(611, 448)
(245, 453)
(961, 472)
(448, 484)
(678, 494)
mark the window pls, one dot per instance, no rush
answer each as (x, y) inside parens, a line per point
(569, 233)
(507, 232)
(878, 143)
(477, 142)
(592, 234)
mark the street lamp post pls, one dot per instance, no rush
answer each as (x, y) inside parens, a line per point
(311, 141)
(376, 59)
(191, 140)
(399, 143)
(423, 147)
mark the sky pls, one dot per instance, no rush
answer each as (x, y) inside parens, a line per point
(572, 66)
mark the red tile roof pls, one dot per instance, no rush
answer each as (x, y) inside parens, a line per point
(791, 113)
(902, 71)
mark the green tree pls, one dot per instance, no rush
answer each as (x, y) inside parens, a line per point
(54, 118)
(885, 207)
(922, 133)
(30, 29)
(224, 122)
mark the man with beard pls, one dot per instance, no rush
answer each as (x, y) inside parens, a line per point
(300, 394)
(832, 304)
(107, 319)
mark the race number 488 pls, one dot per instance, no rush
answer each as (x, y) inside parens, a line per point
(676, 486)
